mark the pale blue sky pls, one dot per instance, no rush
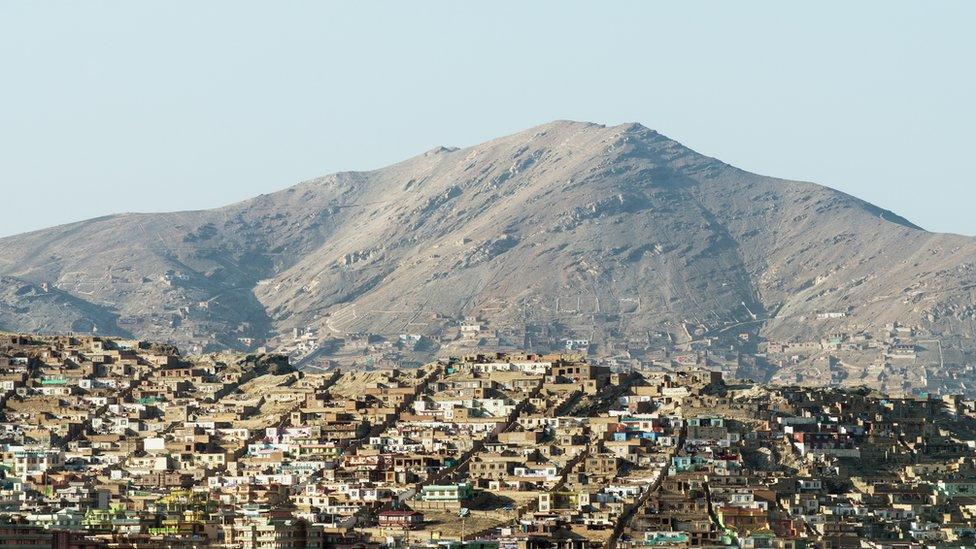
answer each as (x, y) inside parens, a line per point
(140, 106)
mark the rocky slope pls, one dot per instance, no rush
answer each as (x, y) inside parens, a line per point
(611, 229)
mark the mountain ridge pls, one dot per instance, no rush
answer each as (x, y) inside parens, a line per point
(635, 230)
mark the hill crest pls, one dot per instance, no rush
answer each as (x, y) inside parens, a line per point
(605, 231)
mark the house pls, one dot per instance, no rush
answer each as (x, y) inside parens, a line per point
(400, 519)
(444, 496)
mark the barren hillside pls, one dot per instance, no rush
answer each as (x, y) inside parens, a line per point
(615, 229)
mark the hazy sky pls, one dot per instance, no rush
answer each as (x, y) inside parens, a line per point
(137, 106)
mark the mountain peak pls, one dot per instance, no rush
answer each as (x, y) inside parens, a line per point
(565, 125)
(594, 229)
(634, 127)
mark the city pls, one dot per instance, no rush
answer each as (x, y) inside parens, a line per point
(122, 443)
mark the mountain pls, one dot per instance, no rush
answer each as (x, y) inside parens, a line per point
(600, 230)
